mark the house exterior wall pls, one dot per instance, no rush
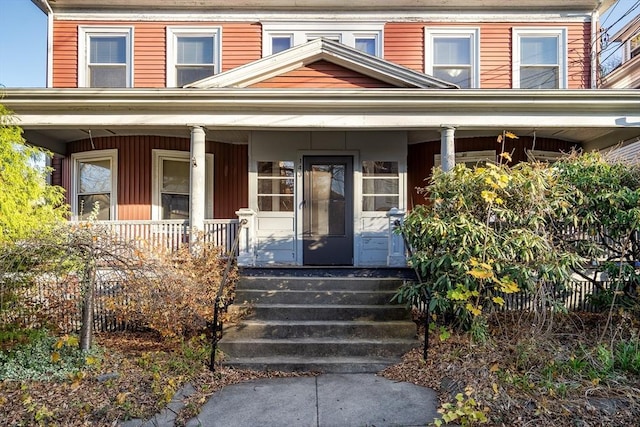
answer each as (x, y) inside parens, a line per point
(321, 74)
(279, 234)
(135, 173)
(404, 44)
(240, 44)
(420, 160)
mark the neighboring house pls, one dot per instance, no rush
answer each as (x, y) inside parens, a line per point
(626, 76)
(313, 120)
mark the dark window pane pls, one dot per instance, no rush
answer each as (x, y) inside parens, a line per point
(188, 75)
(175, 206)
(107, 76)
(379, 203)
(373, 168)
(86, 204)
(539, 78)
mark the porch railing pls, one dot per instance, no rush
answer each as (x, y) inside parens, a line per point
(173, 234)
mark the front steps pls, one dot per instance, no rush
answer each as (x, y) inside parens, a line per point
(328, 320)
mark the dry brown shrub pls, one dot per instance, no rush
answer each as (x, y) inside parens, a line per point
(174, 294)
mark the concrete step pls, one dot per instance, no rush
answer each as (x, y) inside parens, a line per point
(323, 312)
(317, 347)
(313, 364)
(272, 283)
(287, 296)
(307, 329)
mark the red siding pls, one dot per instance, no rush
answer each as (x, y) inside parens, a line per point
(420, 158)
(241, 43)
(321, 74)
(404, 44)
(134, 172)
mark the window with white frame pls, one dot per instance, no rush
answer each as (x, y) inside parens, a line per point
(543, 156)
(172, 178)
(380, 185)
(276, 184)
(470, 158)
(540, 58)
(192, 54)
(452, 55)
(93, 185)
(105, 57)
(279, 36)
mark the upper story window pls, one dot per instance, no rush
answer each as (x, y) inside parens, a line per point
(105, 57)
(192, 54)
(279, 36)
(452, 55)
(539, 58)
(634, 46)
(94, 185)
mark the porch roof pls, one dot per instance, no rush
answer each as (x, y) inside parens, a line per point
(594, 118)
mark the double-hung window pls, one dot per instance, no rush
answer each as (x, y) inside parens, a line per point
(172, 177)
(105, 57)
(94, 185)
(380, 185)
(279, 36)
(539, 58)
(192, 54)
(453, 55)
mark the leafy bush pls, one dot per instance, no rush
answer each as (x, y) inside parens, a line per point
(46, 357)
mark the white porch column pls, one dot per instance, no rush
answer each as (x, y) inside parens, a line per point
(197, 185)
(396, 253)
(447, 147)
(247, 241)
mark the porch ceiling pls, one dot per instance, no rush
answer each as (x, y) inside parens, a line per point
(596, 119)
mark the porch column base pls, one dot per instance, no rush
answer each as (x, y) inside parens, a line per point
(247, 241)
(396, 252)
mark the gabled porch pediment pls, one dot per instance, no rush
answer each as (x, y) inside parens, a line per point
(333, 63)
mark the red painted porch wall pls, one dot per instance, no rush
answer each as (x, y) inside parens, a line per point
(230, 179)
(420, 159)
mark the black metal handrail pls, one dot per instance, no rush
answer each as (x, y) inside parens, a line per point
(216, 326)
(426, 291)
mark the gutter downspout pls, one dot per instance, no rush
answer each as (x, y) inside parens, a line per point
(595, 47)
(49, 12)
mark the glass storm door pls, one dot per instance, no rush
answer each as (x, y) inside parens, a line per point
(328, 211)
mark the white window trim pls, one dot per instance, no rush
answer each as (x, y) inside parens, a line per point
(346, 32)
(156, 161)
(85, 33)
(559, 32)
(172, 41)
(112, 156)
(472, 33)
(469, 157)
(543, 155)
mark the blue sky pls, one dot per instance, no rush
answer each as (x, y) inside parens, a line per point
(23, 40)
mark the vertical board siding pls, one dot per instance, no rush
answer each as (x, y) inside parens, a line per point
(404, 44)
(420, 160)
(135, 172)
(321, 74)
(241, 43)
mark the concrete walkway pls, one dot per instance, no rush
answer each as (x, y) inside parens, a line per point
(333, 400)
